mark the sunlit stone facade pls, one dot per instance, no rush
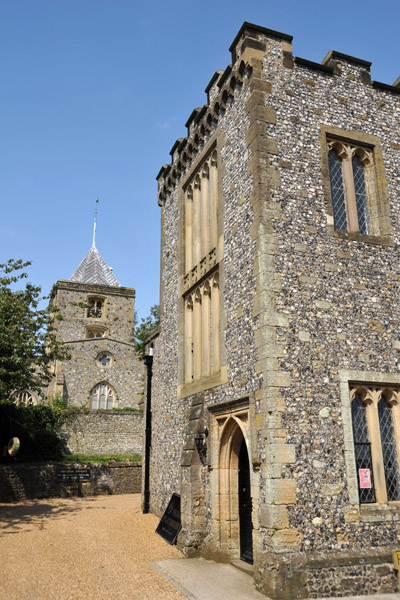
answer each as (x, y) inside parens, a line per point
(304, 245)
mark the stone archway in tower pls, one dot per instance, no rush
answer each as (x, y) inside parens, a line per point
(231, 483)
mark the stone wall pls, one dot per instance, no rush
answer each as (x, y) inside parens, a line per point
(76, 378)
(305, 311)
(20, 482)
(102, 432)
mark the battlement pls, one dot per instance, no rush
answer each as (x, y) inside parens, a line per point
(247, 49)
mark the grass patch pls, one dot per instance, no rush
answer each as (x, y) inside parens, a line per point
(99, 458)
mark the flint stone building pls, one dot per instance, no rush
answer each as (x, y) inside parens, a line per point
(276, 376)
(97, 325)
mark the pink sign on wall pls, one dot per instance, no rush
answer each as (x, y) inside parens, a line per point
(365, 478)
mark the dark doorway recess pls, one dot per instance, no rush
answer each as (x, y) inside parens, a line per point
(245, 506)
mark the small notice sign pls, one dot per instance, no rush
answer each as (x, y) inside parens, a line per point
(73, 475)
(365, 478)
(170, 523)
(396, 560)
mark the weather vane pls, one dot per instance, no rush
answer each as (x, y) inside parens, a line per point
(95, 222)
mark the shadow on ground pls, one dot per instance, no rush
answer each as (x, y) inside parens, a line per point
(37, 513)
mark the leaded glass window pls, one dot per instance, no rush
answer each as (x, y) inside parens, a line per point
(362, 448)
(360, 189)
(375, 414)
(348, 165)
(102, 396)
(389, 449)
(337, 188)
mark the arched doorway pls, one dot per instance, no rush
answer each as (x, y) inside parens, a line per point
(235, 505)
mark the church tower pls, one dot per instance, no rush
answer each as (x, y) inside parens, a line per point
(97, 325)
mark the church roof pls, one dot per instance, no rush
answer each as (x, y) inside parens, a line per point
(94, 269)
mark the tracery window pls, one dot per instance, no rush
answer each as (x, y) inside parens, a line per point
(102, 396)
(104, 359)
(26, 397)
(351, 170)
(376, 432)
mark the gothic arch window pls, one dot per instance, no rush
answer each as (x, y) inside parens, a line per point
(376, 432)
(350, 170)
(102, 396)
(26, 397)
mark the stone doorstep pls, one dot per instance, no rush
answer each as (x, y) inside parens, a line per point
(243, 566)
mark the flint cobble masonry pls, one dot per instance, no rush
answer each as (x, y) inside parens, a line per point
(31, 481)
(98, 432)
(76, 378)
(305, 311)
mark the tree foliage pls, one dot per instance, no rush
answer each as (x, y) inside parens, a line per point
(37, 428)
(145, 327)
(28, 345)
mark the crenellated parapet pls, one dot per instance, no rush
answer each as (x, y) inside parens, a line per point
(247, 48)
(201, 123)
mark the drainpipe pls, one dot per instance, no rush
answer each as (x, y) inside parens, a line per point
(148, 361)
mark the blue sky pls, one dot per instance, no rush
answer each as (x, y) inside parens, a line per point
(94, 94)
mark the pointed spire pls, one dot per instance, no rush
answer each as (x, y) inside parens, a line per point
(95, 223)
(93, 268)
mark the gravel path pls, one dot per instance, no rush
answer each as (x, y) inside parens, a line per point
(97, 548)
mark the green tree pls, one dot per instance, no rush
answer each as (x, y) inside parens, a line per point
(28, 345)
(145, 327)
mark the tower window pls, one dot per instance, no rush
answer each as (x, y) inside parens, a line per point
(93, 333)
(104, 359)
(351, 172)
